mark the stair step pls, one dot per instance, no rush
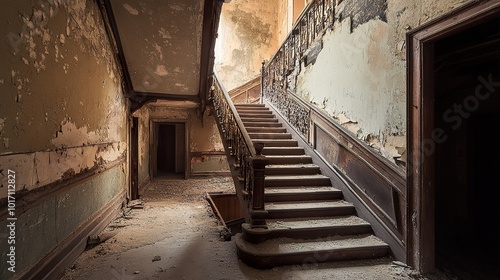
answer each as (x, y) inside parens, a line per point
(294, 159)
(265, 129)
(249, 105)
(303, 209)
(270, 136)
(297, 180)
(283, 151)
(277, 142)
(301, 193)
(290, 251)
(311, 228)
(252, 119)
(260, 109)
(262, 124)
(258, 112)
(296, 169)
(257, 116)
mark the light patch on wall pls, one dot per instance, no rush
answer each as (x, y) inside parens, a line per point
(176, 7)
(164, 33)
(130, 9)
(351, 125)
(394, 146)
(158, 49)
(70, 136)
(161, 70)
(2, 124)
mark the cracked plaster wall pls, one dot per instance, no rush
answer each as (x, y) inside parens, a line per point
(359, 77)
(62, 115)
(247, 35)
(62, 111)
(144, 153)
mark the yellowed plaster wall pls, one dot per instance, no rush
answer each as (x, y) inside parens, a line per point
(62, 111)
(359, 77)
(144, 150)
(63, 117)
(247, 35)
(284, 25)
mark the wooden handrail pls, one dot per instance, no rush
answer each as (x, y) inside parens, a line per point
(241, 127)
(246, 162)
(326, 4)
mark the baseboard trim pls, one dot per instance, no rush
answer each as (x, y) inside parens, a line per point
(53, 265)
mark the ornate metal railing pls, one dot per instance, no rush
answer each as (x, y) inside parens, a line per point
(246, 161)
(279, 75)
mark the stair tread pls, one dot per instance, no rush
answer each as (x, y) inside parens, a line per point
(292, 177)
(249, 105)
(299, 205)
(263, 124)
(286, 245)
(259, 111)
(283, 148)
(280, 142)
(269, 133)
(303, 223)
(301, 189)
(299, 165)
(252, 119)
(287, 156)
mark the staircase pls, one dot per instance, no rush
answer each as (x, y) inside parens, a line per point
(307, 219)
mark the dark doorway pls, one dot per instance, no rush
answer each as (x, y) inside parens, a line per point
(467, 112)
(454, 111)
(134, 159)
(170, 149)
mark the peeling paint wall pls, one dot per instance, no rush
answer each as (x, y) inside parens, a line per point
(62, 111)
(247, 35)
(359, 77)
(144, 153)
(61, 105)
(284, 19)
(206, 147)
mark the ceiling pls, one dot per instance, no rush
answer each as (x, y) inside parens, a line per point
(165, 46)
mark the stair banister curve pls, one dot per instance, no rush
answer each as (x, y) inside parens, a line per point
(247, 164)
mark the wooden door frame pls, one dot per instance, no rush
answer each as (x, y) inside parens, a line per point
(153, 137)
(420, 125)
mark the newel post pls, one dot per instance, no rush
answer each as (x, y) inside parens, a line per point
(258, 213)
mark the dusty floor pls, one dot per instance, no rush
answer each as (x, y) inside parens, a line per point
(177, 236)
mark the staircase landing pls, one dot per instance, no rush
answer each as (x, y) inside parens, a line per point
(307, 221)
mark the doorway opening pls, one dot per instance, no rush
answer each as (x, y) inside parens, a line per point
(170, 150)
(454, 111)
(134, 159)
(467, 111)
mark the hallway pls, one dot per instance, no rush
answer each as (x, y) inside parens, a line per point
(177, 236)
